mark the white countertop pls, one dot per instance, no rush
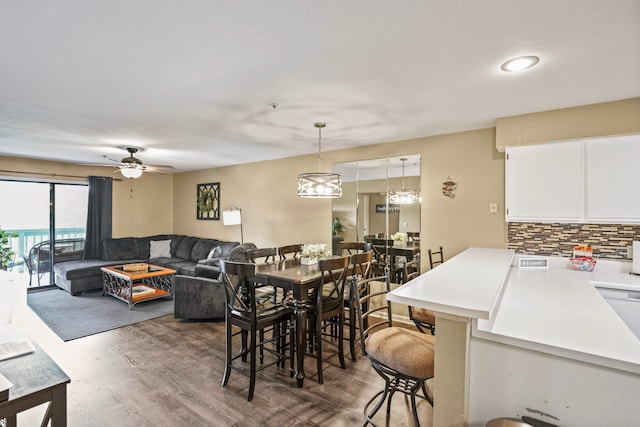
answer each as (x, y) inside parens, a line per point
(467, 285)
(556, 310)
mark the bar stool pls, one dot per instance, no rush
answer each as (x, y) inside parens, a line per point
(435, 257)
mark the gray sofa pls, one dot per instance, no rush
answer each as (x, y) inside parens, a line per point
(203, 297)
(181, 253)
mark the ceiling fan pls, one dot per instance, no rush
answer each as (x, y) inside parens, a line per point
(132, 167)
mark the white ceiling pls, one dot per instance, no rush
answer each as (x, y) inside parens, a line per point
(192, 82)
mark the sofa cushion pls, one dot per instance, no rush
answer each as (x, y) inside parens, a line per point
(79, 269)
(165, 261)
(214, 253)
(239, 253)
(201, 248)
(125, 248)
(160, 249)
(184, 248)
(226, 248)
(185, 268)
(144, 246)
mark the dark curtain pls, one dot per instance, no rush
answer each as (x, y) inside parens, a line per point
(98, 216)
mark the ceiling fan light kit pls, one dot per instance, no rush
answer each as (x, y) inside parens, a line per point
(320, 185)
(131, 171)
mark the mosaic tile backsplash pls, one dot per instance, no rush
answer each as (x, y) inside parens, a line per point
(607, 240)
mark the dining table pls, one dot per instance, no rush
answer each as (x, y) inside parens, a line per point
(297, 278)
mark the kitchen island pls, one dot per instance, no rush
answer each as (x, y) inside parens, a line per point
(539, 342)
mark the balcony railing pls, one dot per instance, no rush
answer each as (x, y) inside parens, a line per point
(29, 237)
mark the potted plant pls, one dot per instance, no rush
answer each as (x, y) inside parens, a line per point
(337, 226)
(6, 254)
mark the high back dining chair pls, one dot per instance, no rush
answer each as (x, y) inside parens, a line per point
(243, 311)
(414, 236)
(402, 357)
(265, 254)
(354, 247)
(423, 318)
(289, 252)
(359, 269)
(436, 257)
(328, 306)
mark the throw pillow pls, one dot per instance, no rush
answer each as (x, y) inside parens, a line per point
(160, 249)
(215, 253)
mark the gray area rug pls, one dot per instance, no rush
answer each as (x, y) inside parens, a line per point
(91, 313)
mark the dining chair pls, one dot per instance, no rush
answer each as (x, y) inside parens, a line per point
(423, 318)
(404, 358)
(414, 236)
(354, 247)
(266, 256)
(292, 251)
(383, 260)
(359, 268)
(327, 305)
(253, 319)
(436, 257)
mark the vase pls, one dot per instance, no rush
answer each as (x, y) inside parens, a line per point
(399, 244)
(308, 261)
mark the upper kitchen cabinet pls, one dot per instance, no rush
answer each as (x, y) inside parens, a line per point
(544, 182)
(581, 181)
(612, 180)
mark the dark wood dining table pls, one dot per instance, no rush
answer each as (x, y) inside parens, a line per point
(298, 279)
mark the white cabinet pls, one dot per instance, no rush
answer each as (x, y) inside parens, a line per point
(581, 181)
(544, 182)
(612, 180)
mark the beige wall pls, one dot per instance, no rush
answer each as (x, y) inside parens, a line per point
(141, 207)
(608, 118)
(274, 215)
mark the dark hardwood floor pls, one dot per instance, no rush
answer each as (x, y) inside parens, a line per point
(167, 372)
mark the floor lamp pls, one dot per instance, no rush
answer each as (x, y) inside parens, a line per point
(233, 216)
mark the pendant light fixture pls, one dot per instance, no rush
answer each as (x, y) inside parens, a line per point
(320, 185)
(404, 196)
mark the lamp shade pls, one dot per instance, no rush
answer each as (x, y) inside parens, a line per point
(319, 185)
(131, 172)
(233, 217)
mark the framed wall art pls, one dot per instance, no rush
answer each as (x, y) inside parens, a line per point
(208, 201)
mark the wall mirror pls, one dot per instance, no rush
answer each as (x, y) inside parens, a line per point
(364, 208)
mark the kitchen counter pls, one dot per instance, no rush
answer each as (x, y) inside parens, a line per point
(559, 311)
(467, 285)
(538, 342)
(556, 310)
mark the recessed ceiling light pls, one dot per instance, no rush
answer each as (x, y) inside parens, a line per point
(520, 63)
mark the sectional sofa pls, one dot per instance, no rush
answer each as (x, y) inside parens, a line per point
(178, 252)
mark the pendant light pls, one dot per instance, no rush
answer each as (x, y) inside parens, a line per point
(404, 196)
(320, 185)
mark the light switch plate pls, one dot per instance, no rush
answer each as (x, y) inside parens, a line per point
(493, 207)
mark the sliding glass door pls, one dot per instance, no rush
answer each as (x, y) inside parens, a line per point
(49, 219)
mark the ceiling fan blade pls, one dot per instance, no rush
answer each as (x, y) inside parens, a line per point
(160, 168)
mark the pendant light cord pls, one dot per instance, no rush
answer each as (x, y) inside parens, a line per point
(320, 125)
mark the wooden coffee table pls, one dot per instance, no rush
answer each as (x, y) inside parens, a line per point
(134, 286)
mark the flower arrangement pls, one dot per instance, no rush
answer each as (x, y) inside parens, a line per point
(400, 237)
(315, 250)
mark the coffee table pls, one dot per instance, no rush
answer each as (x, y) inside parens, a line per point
(134, 286)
